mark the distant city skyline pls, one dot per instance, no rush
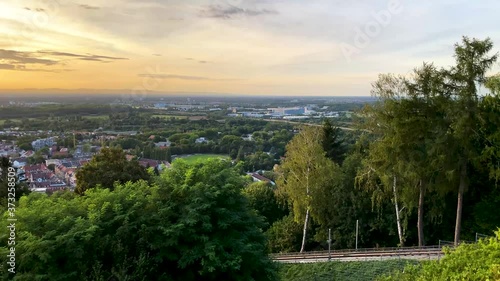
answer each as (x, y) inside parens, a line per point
(234, 47)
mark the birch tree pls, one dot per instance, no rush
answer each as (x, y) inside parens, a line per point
(303, 174)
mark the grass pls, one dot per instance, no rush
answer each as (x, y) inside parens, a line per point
(202, 157)
(15, 120)
(346, 271)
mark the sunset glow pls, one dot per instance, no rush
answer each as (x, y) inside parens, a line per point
(228, 46)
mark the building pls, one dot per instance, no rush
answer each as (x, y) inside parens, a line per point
(163, 144)
(41, 143)
(160, 165)
(201, 140)
(256, 177)
(282, 111)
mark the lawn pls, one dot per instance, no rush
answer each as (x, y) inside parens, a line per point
(15, 120)
(193, 158)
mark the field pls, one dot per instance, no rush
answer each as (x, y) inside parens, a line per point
(346, 271)
(15, 120)
(201, 157)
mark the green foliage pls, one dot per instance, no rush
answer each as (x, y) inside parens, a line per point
(304, 176)
(262, 198)
(345, 271)
(332, 143)
(493, 84)
(258, 161)
(284, 235)
(192, 224)
(107, 167)
(304, 172)
(479, 261)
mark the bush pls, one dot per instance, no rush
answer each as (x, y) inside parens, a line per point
(479, 261)
(192, 224)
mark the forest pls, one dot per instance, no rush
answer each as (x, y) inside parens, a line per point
(423, 167)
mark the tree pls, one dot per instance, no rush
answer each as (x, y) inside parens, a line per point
(409, 120)
(168, 155)
(86, 148)
(241, 154)
(332, 143)
(193, 223)
(493, 84)
(377, 177)
(261, 197)
(52, 167)
(25, 146)
(472, 62)
(284, 235)
(303, 174)
(107, 167)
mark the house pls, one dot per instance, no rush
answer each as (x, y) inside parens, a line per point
(163, 144)
(19, 162)
(201, 140)
(52, 161)
(154, 163)
(63, 152)
(70, 177)
(41, 143)
(248, 137)
(256, 177)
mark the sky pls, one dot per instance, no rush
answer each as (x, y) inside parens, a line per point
(240, 47)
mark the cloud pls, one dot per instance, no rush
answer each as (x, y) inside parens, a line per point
(15, 57)
(199, 61)
(157, 55)
(87, 57)
(229, 12)
(33, 61)
(35, 9)
(7, 66)
(88, 7)
(18, 67)
(182, 77)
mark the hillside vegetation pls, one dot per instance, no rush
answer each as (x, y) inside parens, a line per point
(345, 271)
(471, 262)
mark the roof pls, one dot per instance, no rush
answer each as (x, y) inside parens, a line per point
(260, 177)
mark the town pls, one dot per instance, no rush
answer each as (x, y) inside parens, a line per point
(48, 160)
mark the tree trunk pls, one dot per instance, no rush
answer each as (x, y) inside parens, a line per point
(304, 234)
(461, 190)
(420, 223)
(398, 219)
